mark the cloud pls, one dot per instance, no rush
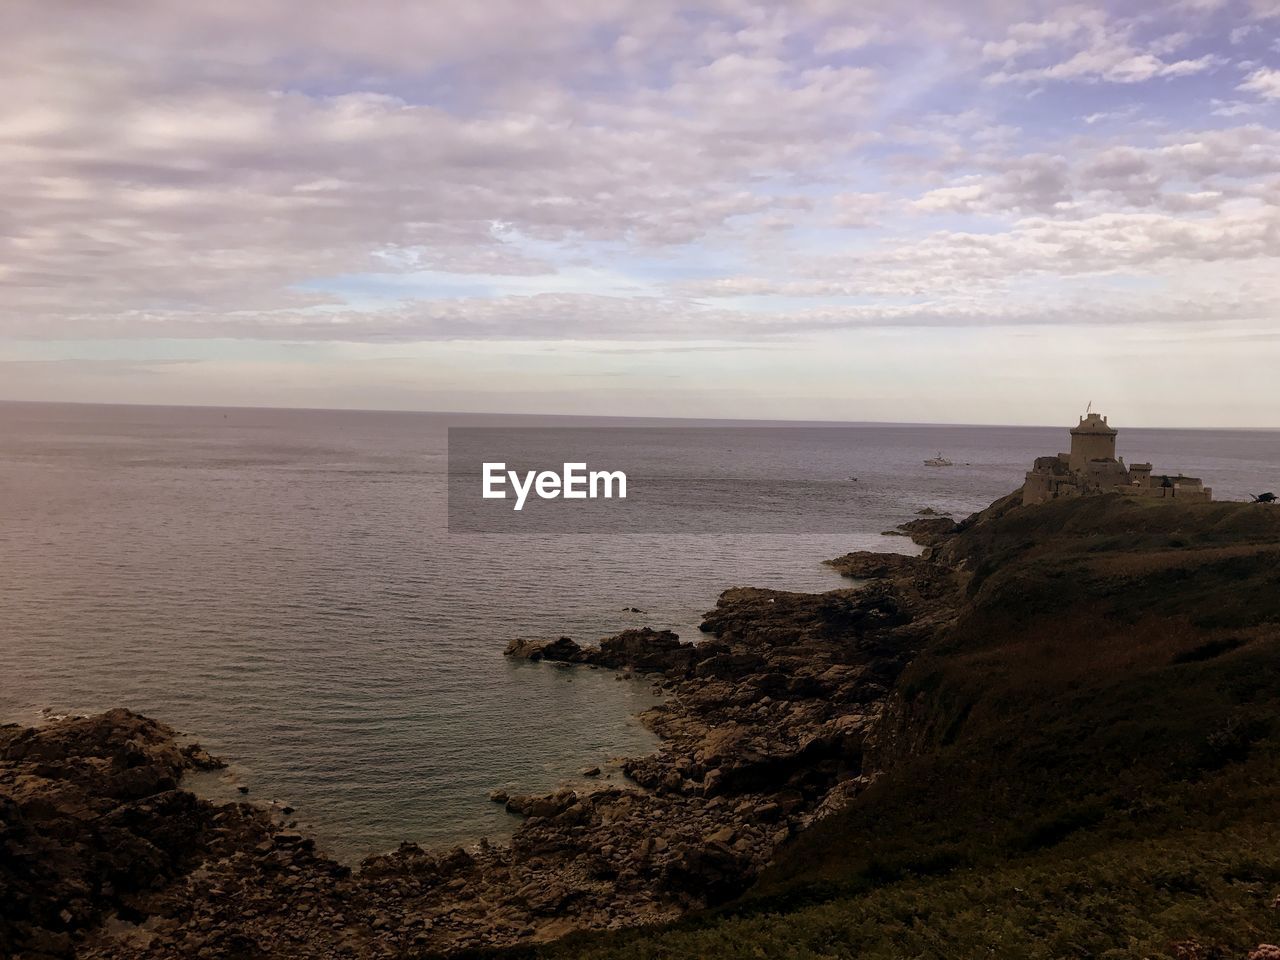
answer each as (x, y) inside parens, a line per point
(1232, 108)
(959, 264)
(856, 210)
(140, 185)
(1110, 115)
(271, 169)
(842, 39)
(1263, 82)
(586, 318)
(1031, 183)
(1084, 44)
(1222, 164)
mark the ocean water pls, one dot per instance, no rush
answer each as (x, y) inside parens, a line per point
(282, 586)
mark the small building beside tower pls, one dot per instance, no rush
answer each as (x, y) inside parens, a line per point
(1092, 467)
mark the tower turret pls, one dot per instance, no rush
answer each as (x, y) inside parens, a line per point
(1091, 439)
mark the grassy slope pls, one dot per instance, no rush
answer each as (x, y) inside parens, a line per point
(1088, 766)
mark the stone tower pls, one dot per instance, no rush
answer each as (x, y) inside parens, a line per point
(1091, 439)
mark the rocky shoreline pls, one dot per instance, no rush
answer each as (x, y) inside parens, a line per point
(766, 730)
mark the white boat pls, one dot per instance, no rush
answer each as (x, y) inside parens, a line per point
(938, 461)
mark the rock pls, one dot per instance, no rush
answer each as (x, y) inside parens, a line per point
(91, 819)
(865, 565)
(590, 771)
(198, 758)
(729, 666)
(561, 649)
(499, 796)
(644, 649)
(929, 531)
(714, 873)
(767, 812)
(723, 835)
(541, 806)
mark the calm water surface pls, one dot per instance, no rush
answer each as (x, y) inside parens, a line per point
(282, 585)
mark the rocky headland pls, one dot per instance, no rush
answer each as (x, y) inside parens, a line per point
(775, 724)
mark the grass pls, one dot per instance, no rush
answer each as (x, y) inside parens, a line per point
(1128, 898)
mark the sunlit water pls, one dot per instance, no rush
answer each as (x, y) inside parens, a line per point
(281, 585)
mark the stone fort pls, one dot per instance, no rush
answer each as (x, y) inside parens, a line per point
(1092, 467)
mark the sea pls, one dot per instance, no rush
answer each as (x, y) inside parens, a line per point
(283, 586)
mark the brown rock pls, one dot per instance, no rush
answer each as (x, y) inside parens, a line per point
(561, 649)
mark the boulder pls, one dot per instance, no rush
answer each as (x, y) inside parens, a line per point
(560, 650)
(715, 873)
(644, 649)
(550, 805)
(929, 531)
(865, 565)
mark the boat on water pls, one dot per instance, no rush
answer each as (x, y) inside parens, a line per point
(938, 461)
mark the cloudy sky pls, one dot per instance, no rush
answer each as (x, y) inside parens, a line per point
(815, 209)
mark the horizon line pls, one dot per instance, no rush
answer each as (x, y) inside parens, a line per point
(583, 416)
